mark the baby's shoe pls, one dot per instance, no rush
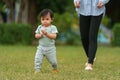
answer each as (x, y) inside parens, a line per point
(37, 71)
(55, 71)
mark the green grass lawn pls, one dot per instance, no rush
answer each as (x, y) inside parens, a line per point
(17, 63)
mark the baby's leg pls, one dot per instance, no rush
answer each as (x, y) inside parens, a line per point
(38, 59)
(51, 57)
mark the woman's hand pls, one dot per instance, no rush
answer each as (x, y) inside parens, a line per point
(77, 4)
(100, 4)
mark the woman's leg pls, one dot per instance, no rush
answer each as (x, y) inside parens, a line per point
(94, 28)
(84, 32)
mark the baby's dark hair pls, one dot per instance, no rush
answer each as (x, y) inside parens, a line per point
(44, 12)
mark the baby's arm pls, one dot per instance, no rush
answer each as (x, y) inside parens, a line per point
(49, 35)
(38, 36)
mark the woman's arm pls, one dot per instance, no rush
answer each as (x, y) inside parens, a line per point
(104, 1)
(77, 3)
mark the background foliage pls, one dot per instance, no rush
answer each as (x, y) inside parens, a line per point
(116, 37)
(16, 33)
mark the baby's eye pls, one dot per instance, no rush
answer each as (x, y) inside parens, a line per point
(42, 19)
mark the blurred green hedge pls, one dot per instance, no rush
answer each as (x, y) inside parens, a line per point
(116, 35)
(64, 23)
(16, 34)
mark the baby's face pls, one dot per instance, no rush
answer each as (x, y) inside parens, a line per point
(46, 20)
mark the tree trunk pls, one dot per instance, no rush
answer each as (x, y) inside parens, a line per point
(32, 15)
(10, 4)
(23, 14)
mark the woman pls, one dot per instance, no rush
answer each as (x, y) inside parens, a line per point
(90, 15)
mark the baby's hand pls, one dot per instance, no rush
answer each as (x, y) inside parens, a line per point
(38, 36)
(44, 32)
